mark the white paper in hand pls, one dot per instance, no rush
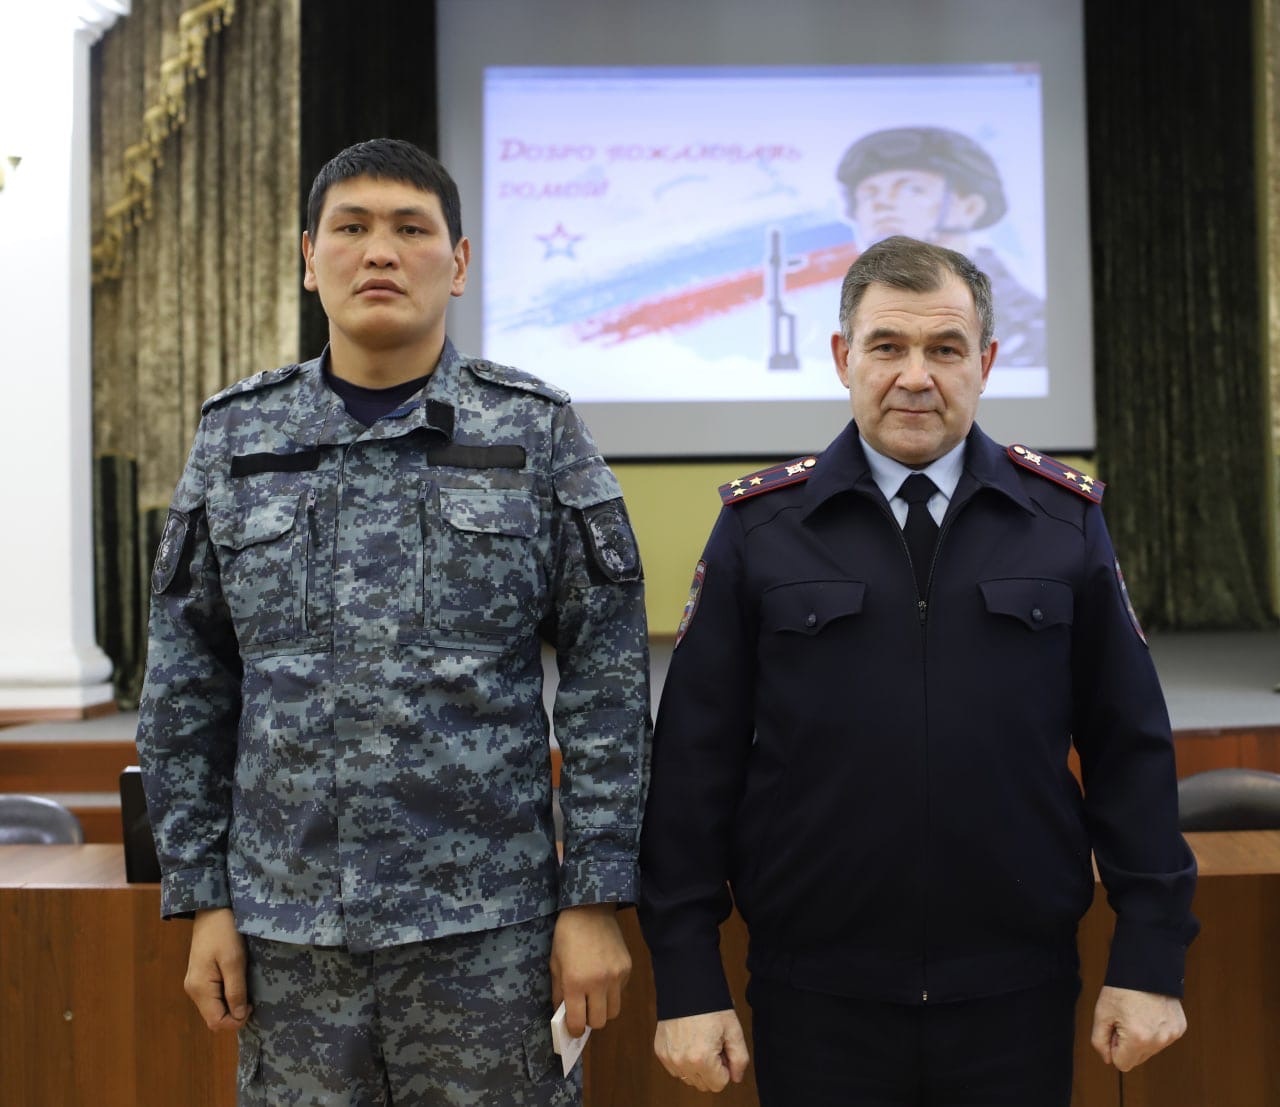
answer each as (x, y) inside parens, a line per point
(570, 1049)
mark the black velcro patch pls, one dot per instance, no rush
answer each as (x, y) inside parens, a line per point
(246, 465)
(613, 543)
(440, 417)
(477, 457)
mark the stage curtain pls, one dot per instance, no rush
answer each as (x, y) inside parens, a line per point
(1179, 363)
(196, 262)
(1267, 85)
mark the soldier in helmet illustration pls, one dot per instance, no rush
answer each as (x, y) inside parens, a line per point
(939, 186)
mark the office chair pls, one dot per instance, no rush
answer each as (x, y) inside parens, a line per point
(1229, 799)
(35, 820)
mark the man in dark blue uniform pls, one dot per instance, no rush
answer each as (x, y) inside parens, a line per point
(887, 655)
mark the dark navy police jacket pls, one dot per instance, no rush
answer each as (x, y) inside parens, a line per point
(882, 783)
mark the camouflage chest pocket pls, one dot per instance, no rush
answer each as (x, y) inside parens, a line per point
(484, 585)
(263, 555)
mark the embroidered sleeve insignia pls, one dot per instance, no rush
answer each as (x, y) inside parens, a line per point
(691, 605)
(613, 543)
(1052, 469)
(766, 480)
(1128, 604)
(169, 552)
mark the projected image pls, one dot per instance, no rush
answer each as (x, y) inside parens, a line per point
(941, 186)
(681, 234)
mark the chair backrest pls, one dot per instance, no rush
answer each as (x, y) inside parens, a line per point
(1229, 799)
(36, 820)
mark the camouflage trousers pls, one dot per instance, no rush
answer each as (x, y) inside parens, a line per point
(461, 1021)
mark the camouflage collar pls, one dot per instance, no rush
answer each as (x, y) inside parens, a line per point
(318, 417)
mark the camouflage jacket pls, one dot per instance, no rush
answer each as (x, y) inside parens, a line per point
(342, 731)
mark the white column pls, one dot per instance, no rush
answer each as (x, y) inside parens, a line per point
(50, 664)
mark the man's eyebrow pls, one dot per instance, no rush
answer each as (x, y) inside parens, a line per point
(358, 209)
(950, 334)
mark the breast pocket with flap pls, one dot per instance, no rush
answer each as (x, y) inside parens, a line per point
(485, 584)
(809, 607)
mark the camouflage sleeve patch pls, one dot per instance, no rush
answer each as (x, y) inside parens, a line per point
(591, 488)
(612, 541)
(1052, 469)
(766, 480)
(171, 554)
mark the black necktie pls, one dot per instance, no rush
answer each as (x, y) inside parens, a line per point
(920, 531)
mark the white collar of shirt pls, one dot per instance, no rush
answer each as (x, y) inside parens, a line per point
(889, 475)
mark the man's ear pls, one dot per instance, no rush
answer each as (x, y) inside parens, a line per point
(840, 355)
(988, 359)
(308, 251)
(461, 263)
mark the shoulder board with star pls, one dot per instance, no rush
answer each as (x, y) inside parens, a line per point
(1052, 469)
(766, 480)
(264, 379)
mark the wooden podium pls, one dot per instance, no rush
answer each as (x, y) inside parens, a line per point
(91, 990)
(92, 1011)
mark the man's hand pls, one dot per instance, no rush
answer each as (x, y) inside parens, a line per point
(589, 966)
(705, 1051)
(1129, 1026)
(216, 971)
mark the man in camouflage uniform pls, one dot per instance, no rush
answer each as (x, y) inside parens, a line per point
(342, 732)
(939, 186)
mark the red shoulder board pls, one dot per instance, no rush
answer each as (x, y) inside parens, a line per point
(1053, 469)
(766, 480)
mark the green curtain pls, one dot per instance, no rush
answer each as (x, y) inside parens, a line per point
(1178, 353)
(194, 201)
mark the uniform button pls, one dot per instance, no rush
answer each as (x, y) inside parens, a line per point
(811, 620)
(1037, 616)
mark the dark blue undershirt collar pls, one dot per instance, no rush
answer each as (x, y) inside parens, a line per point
(368, 405)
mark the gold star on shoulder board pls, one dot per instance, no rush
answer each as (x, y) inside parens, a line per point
(1052, 469)
(784, 474)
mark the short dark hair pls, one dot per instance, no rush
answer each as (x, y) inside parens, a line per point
(908, 263)
(388, 159)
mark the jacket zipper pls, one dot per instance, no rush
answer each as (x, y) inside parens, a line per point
(922, 609)
(424, 609)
